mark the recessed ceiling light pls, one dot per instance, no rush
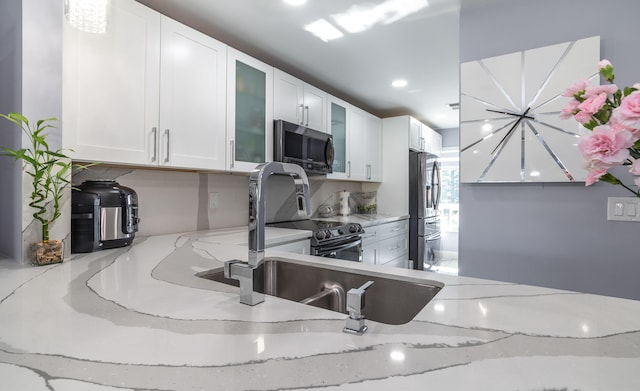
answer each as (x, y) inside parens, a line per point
(295, 2)
(399, 83)
(323, 30)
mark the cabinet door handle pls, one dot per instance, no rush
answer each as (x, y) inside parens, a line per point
(349, 169)
(166, 132)
(306, 108)
(154, 132)
(368, 171)
(301, 114)
(375, 256)
(232, 144)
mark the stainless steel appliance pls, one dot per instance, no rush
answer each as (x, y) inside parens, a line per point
(311, 149)
(424, 216)
(104, 215)
(330, 239)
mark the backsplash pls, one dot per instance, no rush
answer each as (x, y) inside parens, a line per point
(178, 201)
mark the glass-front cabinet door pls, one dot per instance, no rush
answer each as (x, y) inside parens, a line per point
(338, 121)
(249, 108)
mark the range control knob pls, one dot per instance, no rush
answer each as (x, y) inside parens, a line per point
(354, 228)
(320, 235)
(327, 234)
(340, 231)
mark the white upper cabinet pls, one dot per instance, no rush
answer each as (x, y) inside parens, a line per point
(373, 149)
(357, 142)
(357, 133)
(118, 107)
(338, 120)
(192, 98)
(298, 102)
(111, 88)
(416, 139)
(249, 112)
(423, 139)
(435, 144)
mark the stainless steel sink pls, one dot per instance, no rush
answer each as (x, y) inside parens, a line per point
(389, 300)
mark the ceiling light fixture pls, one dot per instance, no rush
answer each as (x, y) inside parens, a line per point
(323, 30)
(295, 2)
(91, 16)
(399, 83)
(360, 18)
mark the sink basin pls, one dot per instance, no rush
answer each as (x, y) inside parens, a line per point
(391, 300)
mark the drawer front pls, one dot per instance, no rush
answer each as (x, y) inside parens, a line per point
(370, 236)
(393, 229)
(392, 248)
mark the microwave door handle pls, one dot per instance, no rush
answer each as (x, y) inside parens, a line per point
(329, 152)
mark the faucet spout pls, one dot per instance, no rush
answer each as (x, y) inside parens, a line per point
(257, 186)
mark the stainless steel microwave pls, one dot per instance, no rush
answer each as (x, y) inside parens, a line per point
(309, 148)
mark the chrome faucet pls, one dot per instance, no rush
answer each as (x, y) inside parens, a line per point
(244, 272)
(355, 305)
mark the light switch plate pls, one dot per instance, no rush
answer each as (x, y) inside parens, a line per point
(214, 200)
(623, 209)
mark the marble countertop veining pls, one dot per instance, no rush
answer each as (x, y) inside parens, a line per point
(137, 318)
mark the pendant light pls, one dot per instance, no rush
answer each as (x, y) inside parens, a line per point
(91, 16)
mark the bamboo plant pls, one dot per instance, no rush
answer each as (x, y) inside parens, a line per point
(50, 170)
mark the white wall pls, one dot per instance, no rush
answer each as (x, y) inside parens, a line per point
(177, 201)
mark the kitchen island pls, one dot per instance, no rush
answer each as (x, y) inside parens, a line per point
(138, 318)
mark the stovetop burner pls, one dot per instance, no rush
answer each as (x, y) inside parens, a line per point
(324, 231)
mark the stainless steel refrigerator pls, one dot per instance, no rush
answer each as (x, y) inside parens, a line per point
(424, 216)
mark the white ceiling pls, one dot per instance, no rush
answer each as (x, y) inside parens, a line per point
(421, 47)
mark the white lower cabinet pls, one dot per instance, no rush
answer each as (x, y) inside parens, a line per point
(149, 92)
(298, 247)
(387, 244)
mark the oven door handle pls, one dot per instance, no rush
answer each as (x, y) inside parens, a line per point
(340, 247)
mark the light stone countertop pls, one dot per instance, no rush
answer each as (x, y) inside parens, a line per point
(138, 318)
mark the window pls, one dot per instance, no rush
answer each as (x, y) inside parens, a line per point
(449, 198)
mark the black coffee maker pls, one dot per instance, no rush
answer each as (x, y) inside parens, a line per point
(104, 215)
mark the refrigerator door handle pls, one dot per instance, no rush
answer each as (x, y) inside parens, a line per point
(436, 185)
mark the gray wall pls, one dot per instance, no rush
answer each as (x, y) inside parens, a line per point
(30, 83)
(10, 100)
(554, 235)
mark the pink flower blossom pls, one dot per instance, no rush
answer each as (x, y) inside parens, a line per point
(628, 114)
(583, 117)
(571, 108)
(593, 103)
(575, 88)
(605, 148)
(635, 167)
(603, 64)
(594, 175)
(608, 89)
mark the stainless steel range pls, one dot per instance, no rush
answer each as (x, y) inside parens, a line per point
(332, 239)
